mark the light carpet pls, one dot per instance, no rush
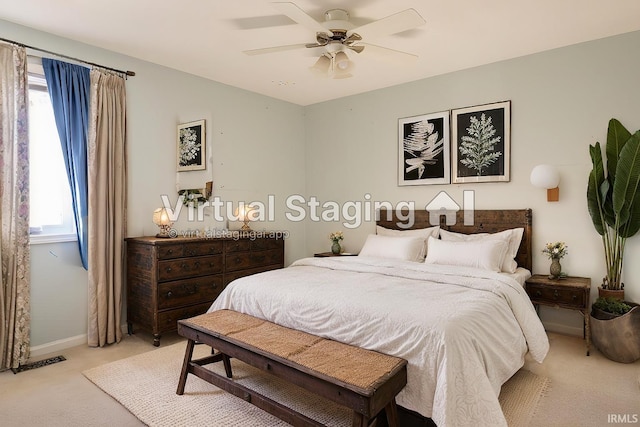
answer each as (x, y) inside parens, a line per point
(146, 385)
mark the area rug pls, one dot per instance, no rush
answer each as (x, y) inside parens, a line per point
(146, 385)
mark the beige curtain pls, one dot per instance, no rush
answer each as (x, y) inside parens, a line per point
(107, 199)
(14, 188)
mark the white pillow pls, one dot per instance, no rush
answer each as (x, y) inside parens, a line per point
(512, 237)
(484, 254)
(406, 248)
(425, 233)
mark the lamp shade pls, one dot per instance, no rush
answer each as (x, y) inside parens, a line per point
(545, 176)
(342, 66)
(161, 217)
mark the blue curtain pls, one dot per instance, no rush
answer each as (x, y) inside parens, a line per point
(69, 87)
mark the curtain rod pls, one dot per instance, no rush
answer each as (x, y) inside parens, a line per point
(126, 73)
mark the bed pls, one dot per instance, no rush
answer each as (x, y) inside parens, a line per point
(464, 330)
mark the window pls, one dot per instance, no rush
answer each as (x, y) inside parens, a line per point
(51, 214)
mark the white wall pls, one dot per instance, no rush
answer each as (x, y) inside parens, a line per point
(256, 148)
(561, 100)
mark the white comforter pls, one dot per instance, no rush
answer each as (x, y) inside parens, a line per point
(463, 331)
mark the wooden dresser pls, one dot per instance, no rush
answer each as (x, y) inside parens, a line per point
(178, 278)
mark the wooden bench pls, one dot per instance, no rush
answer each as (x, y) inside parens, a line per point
(362, 380)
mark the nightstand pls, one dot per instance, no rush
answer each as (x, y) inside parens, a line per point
(568, 292)
(328, 254)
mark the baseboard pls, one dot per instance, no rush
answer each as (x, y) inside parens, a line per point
(63, 344)
(57, 346)
(562, 329)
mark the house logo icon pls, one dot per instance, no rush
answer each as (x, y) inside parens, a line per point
(444, 204)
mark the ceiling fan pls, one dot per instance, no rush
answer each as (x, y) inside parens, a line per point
(337, 36)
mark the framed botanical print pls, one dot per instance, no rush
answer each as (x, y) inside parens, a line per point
(481, 141)
(191, 146)
(423, 149)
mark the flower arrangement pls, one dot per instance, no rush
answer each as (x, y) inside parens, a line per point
(192, 196)
(555, 250)
(336, 236)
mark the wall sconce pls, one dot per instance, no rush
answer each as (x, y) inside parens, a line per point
(547, 176)
(243, 213)
(161, 219)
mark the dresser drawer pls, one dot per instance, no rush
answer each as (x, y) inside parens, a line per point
(556, 295)
(263, 244)
(237, 245)
(189, 267)
(189, 291)
(241, 260)
(168, 319)
(189, 249)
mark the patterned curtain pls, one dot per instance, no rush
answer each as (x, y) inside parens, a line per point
(14, 190)
(107, 199)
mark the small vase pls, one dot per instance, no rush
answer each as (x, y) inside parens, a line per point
(555, 269)
(335, 248)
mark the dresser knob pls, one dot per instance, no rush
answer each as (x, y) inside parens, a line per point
(238, 260)
(538, 293)
(555, 294)
(168, 269)
(170, 251)
(169, 294)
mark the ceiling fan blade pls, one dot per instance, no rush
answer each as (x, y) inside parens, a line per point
(274, 49)
(401, 21)
(298, 15)
(391, 55)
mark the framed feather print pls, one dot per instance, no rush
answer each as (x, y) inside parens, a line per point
(423, 149)
(481, 143)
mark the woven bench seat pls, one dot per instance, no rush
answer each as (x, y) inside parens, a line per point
(362, 380)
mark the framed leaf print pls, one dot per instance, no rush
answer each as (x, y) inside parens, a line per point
(191, 146)
(481, 138)
(423, 149)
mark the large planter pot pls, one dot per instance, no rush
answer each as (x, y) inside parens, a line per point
(619, 338)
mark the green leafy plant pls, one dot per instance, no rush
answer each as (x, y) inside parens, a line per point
(613, 198)
(611, 305)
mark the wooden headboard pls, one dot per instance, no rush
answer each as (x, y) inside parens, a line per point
(484, 221)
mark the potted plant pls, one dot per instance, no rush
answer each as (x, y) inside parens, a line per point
(613, 199)
(607, 308)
